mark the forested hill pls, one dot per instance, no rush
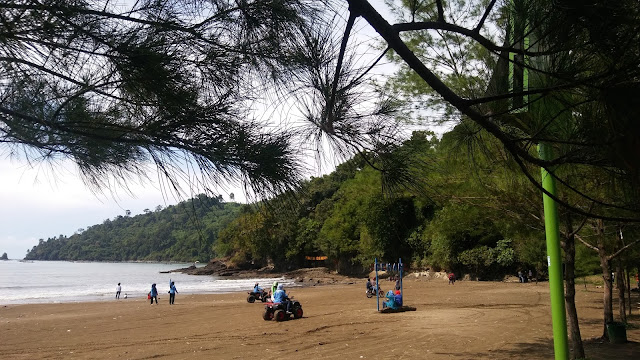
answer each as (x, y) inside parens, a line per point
(435, 208)
(182, 232)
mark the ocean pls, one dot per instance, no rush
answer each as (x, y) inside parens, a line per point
(64, 281)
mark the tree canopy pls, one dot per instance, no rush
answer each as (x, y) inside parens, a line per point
(462, 57)
(117, 87)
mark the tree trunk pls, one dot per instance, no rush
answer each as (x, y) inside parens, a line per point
(606, 277)
(628, 277)
(607, 293)
(622, 302)
(570, 290)
(620, 278)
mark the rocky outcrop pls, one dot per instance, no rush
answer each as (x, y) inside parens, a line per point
(318, 276)
(220, 268)
(302, 277)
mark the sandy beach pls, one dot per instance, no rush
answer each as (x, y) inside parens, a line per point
(468, 320)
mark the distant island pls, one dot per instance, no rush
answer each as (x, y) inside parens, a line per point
(4, 257)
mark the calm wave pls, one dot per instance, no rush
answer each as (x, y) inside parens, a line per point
(61, 281)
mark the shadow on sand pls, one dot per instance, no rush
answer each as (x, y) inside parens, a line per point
(595, 349)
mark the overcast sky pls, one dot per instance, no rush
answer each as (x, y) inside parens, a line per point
(36, 204)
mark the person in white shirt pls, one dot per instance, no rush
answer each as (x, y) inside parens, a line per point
(118, 289)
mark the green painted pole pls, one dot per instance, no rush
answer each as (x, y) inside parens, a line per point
(554, 260)
(554, 256)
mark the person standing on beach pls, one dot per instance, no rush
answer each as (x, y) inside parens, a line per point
(118, 289)
(154, 294)
(172, 293)
(452, 278)
(274, 288)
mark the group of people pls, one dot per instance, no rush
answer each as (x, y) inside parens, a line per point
(394, 299)
(280, 296)
(153, 294)
(118, 291)
(277, 295)
(524, 276)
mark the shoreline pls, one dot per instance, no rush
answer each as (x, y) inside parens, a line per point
(296, 279)
(109, 261)
(478, 320)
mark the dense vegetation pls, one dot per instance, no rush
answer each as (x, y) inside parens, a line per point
(184, 232)
(472, 215)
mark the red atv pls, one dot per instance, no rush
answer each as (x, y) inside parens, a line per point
(279, 312)
(253, 296)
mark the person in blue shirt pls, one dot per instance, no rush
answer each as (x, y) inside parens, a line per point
(391, 301)
(172, 293)
(153, 294)
(257, 288)
(280, 296)
(397, 298)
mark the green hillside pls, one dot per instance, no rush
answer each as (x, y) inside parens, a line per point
(184, 232)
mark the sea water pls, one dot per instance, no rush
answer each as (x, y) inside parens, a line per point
(62, 281)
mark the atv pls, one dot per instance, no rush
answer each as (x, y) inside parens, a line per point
(279, 312)
(253, 296)
(371, 293)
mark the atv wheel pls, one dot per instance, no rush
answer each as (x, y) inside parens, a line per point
(369, 294)
(297, 313)
(251, 299)
(268, 315)
(280, 315)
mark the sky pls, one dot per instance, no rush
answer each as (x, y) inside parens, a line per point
(38, 204)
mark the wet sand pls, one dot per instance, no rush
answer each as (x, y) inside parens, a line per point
(468, 320)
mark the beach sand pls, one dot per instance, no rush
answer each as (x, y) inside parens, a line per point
(468, 320)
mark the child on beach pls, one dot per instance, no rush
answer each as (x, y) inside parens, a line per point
(153, 294)
(172, 293)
